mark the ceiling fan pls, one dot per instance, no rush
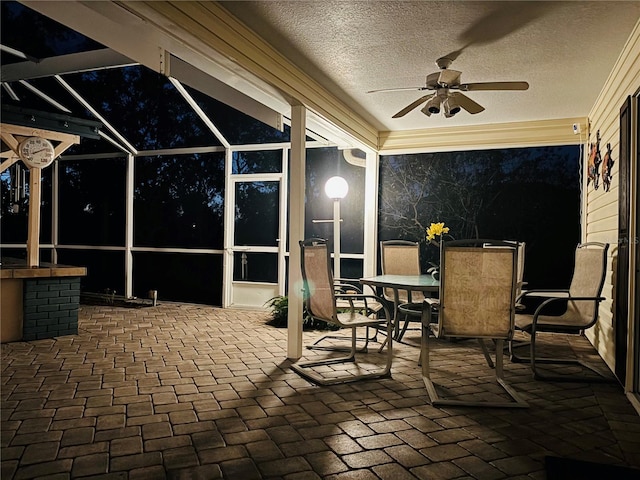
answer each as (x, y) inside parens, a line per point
(442, 83)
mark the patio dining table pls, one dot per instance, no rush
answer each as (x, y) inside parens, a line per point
(423, 283)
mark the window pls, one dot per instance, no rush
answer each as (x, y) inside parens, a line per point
(525, 194)
(178, 201)
(92, 202)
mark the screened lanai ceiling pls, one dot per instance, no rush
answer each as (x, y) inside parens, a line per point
(57, 79)
(563, 50)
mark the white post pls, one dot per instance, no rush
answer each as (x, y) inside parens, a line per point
(370, 217)
(296, 230)
(128, 245)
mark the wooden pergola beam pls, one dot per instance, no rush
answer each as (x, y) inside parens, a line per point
(12, 135)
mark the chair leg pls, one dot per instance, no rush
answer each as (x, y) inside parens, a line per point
(363, 349)
(485, 351)
(534, 360)
(305, 369)
(404, 328)
(436, 400)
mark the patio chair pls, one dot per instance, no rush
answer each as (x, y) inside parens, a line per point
(520, 252)
(402, 257)
(322, 303)
(520, 283)
(367, 306)
(477, 300)
(582, 300)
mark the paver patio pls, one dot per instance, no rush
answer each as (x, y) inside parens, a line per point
(184, 391)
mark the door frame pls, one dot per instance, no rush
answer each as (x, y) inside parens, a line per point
(633, 353)
(263, 290)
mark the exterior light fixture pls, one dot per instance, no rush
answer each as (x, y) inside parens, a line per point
(432, 106)
(336, 189)
(451, 107)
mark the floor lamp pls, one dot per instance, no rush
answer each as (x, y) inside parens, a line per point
(336, 188)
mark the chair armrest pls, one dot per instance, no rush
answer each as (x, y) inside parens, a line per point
(351, 297)
(560, 293)
(347, 285)
(359, 296)
(551, 300)
(433, 304)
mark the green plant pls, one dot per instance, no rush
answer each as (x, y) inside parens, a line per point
(279, 310)
(279, 306)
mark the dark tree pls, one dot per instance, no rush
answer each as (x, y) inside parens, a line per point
(529, 194)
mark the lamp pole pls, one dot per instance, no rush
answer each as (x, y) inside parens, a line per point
(336, 188)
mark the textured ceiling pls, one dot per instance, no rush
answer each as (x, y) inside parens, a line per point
(565, 50)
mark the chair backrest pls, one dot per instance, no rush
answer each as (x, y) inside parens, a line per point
(520, 262)
(400, 257)
(477, 289)
(318, 280)
(588, 279)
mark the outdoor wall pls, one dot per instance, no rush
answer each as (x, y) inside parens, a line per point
(600, 218)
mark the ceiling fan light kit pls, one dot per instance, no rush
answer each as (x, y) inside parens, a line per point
(444, 99)
(451, 107)
(432, 106)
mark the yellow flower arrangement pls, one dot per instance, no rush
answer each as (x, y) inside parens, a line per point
(436, 229)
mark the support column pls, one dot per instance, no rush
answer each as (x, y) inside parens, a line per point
(33, 229)
(371, 214)
(296, 230)
(128, 246)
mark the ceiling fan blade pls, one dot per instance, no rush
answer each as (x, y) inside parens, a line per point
(466, 103)
(413, 105)
(401, 89)
(469, 87)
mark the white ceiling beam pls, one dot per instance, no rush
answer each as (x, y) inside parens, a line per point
(108, 24)
(63, 64)
(44, 96)
(205, 83)
(96, 114)
(196, 108)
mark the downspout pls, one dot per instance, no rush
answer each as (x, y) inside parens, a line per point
(353, 159)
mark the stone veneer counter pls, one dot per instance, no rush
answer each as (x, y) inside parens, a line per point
(38, 302)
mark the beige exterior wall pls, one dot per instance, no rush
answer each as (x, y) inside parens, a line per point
(600, 208)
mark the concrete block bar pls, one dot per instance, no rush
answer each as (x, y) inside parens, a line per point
(38, 302)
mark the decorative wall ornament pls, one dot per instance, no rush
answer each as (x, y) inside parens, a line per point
(607, 165)
(594, 162)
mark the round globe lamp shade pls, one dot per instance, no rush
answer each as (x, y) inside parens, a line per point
(336, 188)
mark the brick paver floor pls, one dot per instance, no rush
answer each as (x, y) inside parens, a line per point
(183, 391)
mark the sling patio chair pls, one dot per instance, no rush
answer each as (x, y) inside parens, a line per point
(477, 300)
(582, 300)
(402, 257)
(366, 305)
(520, 246)
(323, 302)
